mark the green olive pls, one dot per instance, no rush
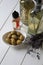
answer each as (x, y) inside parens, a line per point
(8, 40)
(18, 33)
(14, 36)
(19, 42)
(13, 42)
(9, 35)
(13, 32)
(21, 37)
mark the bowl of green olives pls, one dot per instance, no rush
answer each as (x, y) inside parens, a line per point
(14, 38)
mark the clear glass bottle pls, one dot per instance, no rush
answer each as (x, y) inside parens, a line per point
(25, 6)
(35, 16)
(35, 23)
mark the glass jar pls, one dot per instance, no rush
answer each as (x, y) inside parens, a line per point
(35, 22)
(25, 6)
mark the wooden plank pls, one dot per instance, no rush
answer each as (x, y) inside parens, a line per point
(30, 60)
(7, 27)
(1, 1)
(15, 55)
(3, 46)
(6, 8)
(33, 60)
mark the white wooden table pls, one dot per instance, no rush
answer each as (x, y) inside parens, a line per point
(13, 55)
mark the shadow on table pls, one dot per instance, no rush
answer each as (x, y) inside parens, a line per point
(21, 47)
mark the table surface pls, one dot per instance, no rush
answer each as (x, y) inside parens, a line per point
(13, 55)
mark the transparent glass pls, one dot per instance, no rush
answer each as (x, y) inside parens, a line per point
(34, 22)
(25, 6)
